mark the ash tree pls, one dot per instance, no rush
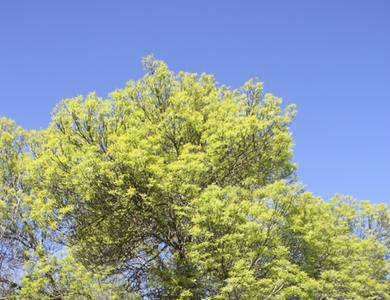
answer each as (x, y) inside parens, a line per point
(176, 187)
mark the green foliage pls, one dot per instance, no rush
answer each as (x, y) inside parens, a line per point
(177, 188)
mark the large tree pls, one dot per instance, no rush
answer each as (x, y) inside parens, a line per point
(176, 187)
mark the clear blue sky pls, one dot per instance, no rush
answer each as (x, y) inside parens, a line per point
(331, 58)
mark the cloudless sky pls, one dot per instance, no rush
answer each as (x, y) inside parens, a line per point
(331, 58)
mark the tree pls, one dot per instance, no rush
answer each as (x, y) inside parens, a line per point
(178, 188)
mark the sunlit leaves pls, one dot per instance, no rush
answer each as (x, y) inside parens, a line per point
(176, 187)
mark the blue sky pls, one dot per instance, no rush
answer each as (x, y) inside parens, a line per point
(331, 58)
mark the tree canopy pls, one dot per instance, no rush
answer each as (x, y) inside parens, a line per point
(176, 187)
